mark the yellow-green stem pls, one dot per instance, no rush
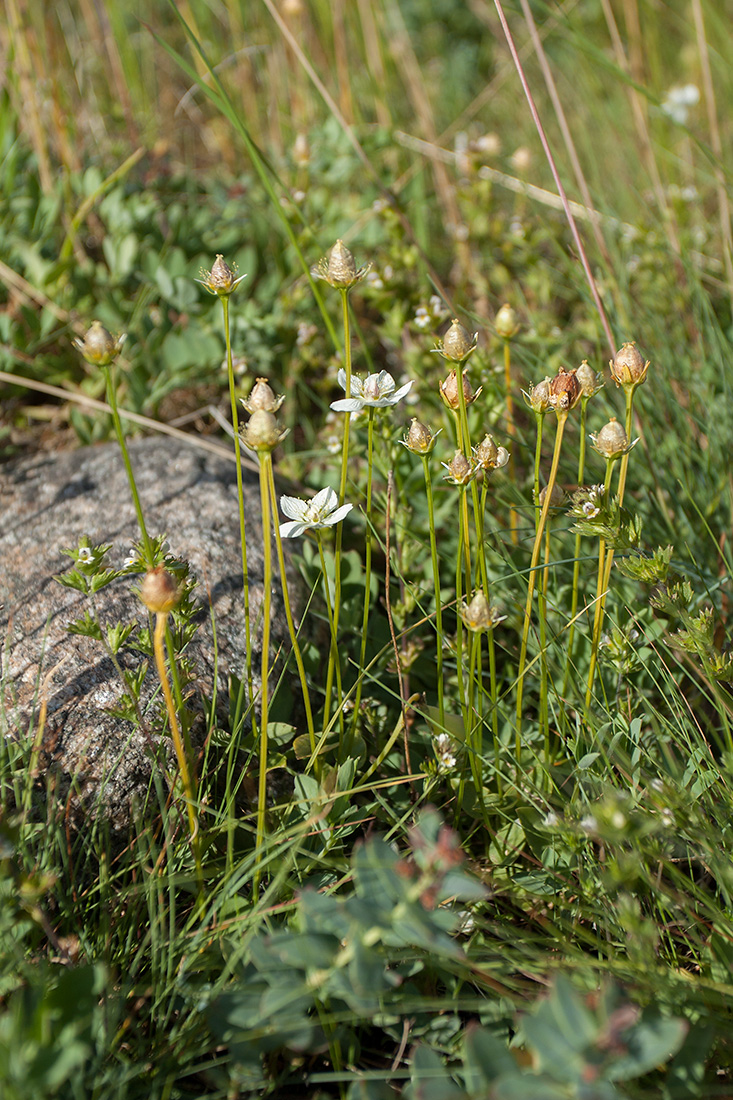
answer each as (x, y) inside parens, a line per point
(607, 562)
(436, 586)
(464, 438)
(161, 620)
(459, 623)
(576, 554)
(265, 666)
(333, 655)
(289, 612)
(112, 401)
(492, 648)
(367, 574)
(242, 525)
(562, 416)
(334, 646)
(511, 432)
(475, 735)
(542, 600)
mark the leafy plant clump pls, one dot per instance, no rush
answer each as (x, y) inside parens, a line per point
(486, 854)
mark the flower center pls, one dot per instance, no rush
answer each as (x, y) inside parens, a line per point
(371, 388)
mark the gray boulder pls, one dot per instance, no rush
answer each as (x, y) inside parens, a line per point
(93, 761)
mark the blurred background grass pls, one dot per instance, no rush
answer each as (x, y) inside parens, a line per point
(402, 128)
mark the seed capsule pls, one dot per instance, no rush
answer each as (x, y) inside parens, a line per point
(611, 441)
(564, 390)
(458, 343)
(449, 390)
(419, 439)
(479, 615)
(487, 453)
(557, 496)
(341, 265)
(506, 323)
(159, 591)
(539, 396)
(590, 382)
(262, 397)
(263, 432)
(98, 346)
(628, 367)
(460, 470)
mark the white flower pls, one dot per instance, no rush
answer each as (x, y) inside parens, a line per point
(443, 747)
(131, 559)
(588, 824)
(376, 392)
(590, 510)
(311, 515)
(374, 280)
(84, 555)
(422, 317)
(678, 100)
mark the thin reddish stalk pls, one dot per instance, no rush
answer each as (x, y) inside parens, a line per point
(558, 183)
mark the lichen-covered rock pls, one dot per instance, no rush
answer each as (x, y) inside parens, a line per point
(97, 762)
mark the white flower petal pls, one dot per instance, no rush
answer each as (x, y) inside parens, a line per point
(385, 383)
(348, 404)
(293, 507)
(402, 391)
(292, 530)
(325, 500)
(341, 378)
(337, 516)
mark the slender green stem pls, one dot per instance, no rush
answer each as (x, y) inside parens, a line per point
(189, 789)
(367, 572)
(436, 587)
(459, 650)
(459, 624)
(491, 645)
(474, 736)
(466, 539)
(494, 713)
(334, 646)
(606, 560)
(288, 609)
(540, 419)
(334, 656)
(576, 554)
(511, 432)
(542, 602)
(111, 382)
(265, 666)
(242, 525)
(562, 415)
(465, 443)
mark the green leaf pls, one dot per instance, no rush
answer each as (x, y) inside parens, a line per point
(74, 580)
(118, 635)
(430, 1078)
(302, 747)
(574, 1021)
(651, 1043)
(485, 1058)
(103, 578)
(526, 1086)
(86, 626)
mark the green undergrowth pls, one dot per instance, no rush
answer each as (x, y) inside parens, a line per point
(479, 846)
